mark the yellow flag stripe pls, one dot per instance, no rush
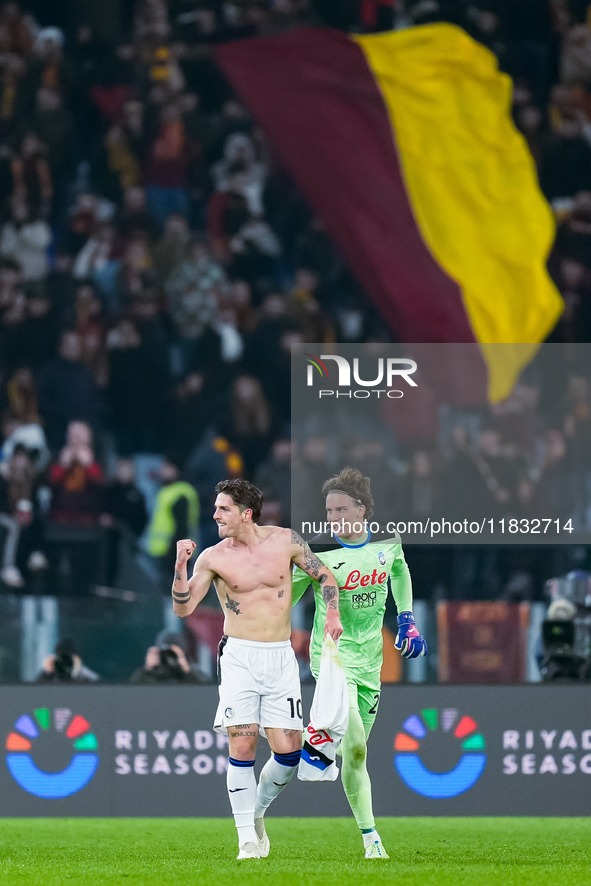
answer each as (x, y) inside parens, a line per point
(472, 184)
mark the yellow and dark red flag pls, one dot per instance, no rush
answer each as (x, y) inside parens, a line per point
(404, 145)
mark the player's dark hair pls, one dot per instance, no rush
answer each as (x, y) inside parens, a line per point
(243, 494)
(353, 483)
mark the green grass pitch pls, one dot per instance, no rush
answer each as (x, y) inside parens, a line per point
(304, 852)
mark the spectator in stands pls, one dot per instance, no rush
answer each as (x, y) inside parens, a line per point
(123, 501)
(135, 221)
(124, 515)
(575, 282)
(124, 144)
(72, 532)
(191, 411)
(193, 289)
(76, 480)
(495, 494)
(176, 515)
(125, 280)
(170, 250)
(574, 232)
(90, 324)
(14, 338)
(249, 423)
(419, 490)
(32, 182)
(18, 31)
(81, 222)
(240, 172)
(67, 391)
(273, 478)
(168, 166)
(565, 164)
(30, 436)
(10, 280)
(22, 396)
(53, 123)
(48, 67)
(305, 310)
(66, 666)
(137, 365)
(19, 517)
(166, 664)
(25, 239)
(313, 467)
(42, 329)
(577, 430)
(575, 62)
(553, 492)
(96, 253)
(254, 249)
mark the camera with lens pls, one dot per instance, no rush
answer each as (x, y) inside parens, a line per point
(168, 658)
(566, 631)
(63, 666)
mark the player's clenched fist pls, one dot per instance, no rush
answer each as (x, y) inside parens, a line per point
(184, 550)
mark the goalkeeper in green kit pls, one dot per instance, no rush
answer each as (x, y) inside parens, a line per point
(362, 566)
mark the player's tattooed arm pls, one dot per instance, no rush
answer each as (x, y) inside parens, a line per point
(187, 594)
(232, 605)
(329, 592)
(178, 594)
(304, 557)
(330, 596)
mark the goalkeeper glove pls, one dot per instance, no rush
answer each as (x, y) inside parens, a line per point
(409, 641)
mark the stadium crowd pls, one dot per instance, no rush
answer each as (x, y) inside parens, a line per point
(157, 264)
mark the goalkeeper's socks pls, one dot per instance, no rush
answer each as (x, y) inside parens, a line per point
(370, 837)
(277, 772)
(242, 789)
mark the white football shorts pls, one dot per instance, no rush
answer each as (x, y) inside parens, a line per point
(259, 683)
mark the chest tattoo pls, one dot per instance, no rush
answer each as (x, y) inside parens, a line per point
(232, 605)
(280, 593)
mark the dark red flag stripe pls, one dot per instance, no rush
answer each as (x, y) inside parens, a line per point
(314, 95)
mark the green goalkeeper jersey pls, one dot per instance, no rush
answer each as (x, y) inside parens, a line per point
(362, 573)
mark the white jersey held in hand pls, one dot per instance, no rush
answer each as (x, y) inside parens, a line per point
(329, 717)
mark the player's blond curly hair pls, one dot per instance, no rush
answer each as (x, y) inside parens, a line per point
(353, 483)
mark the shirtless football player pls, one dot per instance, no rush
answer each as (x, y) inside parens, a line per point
(251, 569)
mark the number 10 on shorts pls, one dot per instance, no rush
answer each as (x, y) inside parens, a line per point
(295, 708)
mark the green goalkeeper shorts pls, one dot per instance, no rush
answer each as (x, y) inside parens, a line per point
(366, 699)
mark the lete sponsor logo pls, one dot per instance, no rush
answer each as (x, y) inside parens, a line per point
(356, 580)
(424, 781)
(29, 735)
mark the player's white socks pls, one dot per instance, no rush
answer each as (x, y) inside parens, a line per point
(277, 772)
(242, 789)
